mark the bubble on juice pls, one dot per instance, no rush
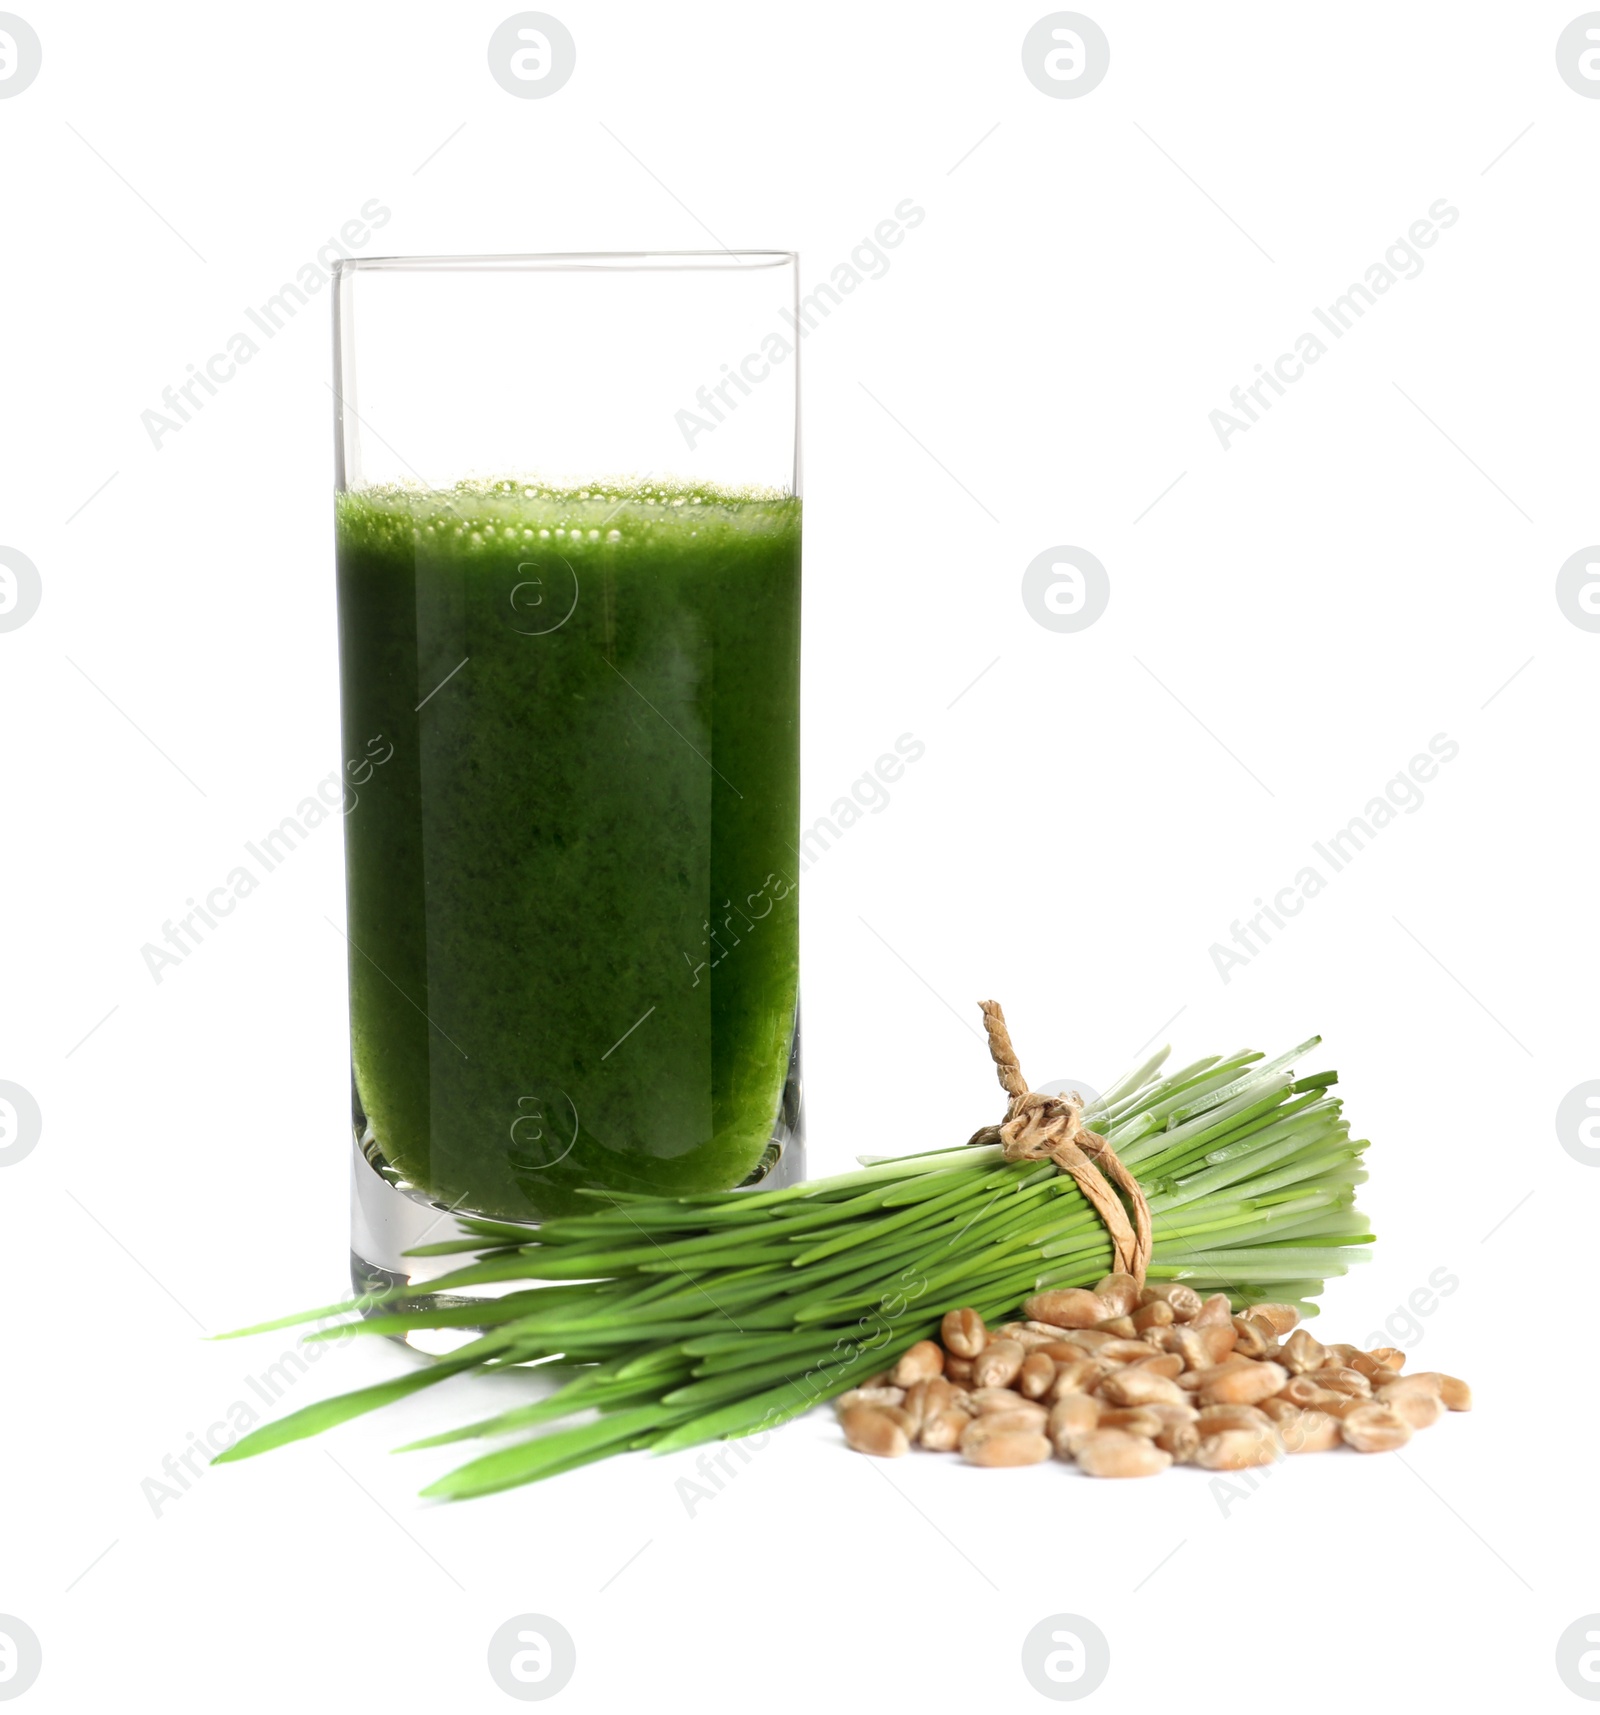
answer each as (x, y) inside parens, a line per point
(486, 513)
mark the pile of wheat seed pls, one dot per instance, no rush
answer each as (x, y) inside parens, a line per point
(1127, 1381)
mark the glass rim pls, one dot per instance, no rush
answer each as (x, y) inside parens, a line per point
(575, 261)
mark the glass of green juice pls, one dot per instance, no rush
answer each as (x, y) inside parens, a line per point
(568, 543)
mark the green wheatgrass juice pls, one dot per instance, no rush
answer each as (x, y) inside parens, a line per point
(572, 910)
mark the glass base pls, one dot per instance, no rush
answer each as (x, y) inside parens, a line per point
(389, 1216)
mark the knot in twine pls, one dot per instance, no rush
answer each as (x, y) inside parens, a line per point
(1039, 1128)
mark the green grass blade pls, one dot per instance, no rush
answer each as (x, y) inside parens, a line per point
(328, 1413)
(528, 1461)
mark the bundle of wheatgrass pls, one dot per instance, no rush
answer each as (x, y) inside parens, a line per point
(673, 1321)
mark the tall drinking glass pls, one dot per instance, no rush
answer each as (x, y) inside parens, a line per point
(568, 532)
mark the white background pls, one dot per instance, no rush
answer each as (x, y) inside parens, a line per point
(1368, 566)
